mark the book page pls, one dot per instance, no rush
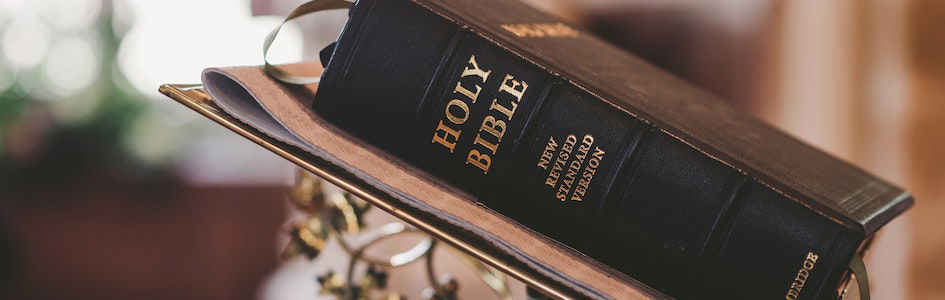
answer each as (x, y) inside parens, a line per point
(250, 95)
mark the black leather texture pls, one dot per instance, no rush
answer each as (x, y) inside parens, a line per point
(661, 181)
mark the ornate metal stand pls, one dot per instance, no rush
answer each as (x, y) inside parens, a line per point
(339, 216)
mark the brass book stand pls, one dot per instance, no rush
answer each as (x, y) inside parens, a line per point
(334, 215)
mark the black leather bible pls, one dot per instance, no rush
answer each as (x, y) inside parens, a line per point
(599, 150)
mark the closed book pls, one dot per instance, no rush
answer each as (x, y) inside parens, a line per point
(591, 146)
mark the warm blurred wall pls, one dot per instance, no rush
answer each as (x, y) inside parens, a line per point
(865, 80)
(98, 239)
(926, 146)
(843, 86)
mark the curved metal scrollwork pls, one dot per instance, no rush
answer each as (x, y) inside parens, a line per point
(339, 216)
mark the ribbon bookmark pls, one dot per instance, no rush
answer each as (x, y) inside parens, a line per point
(304, 9)
(862, 280)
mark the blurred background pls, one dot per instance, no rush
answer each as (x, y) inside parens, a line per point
(109, 190)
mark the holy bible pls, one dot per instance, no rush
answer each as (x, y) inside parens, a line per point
(558, 158)
(593, 147)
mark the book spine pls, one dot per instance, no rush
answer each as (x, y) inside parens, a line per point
(534, 147)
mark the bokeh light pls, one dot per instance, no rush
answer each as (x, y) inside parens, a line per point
(25, 41)
(71, 65)
(158, 51)
(69, 15)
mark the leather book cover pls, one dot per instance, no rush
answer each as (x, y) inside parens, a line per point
(581, 142)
